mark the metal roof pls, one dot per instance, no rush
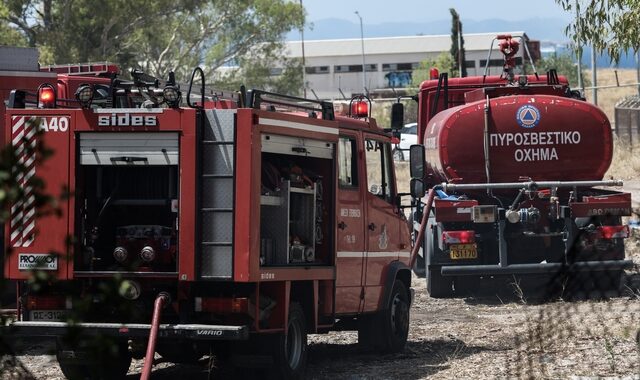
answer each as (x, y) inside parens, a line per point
(630, 102)
(393, 45)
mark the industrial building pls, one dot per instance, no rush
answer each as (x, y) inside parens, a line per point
(333, 68)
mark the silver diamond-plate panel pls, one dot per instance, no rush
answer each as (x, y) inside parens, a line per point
(217, 226)
(219, 125)
(217, 261)
(217, 192)
(218, 159)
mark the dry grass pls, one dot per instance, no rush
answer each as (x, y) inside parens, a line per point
(626, 162)
(608, 97)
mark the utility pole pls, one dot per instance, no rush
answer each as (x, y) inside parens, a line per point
(364, 67)
(304, 67)
(579, 49)
(459, 49)
(638, 70)
(594, 76)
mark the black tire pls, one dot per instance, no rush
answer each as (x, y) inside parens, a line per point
(180, 352)
(110, 360)
(395, 319)
(71, 367)
(438, 286)
(369, 338)
(419, 267)
(601, 281)
(290, 349)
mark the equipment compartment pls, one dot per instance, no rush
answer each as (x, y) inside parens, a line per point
(127, 204)
(294, 202)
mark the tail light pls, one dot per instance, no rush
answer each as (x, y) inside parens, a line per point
(46, 96)
(222, 305)
(612, 232)
(46, 303)
(458, 237)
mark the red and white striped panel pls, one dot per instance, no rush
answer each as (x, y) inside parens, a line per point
(23, 140)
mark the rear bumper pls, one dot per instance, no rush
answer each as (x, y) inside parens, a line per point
(194, 331)
(540, 268)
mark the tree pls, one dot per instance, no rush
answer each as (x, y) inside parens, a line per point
(444, 63)
(154, 35)
(611, 26)
(564, 64)
(257, 72)
(457, 41)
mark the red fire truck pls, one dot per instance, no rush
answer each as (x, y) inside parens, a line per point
(238, 224)
(19, 69)
(515, 167)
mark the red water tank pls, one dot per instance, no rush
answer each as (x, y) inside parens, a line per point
(543, 137)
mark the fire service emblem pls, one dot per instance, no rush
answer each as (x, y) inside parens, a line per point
(528, 116)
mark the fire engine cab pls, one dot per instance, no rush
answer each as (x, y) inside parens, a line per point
(237, 223)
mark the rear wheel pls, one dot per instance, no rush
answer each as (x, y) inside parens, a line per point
(179, 352)
(71, 367)
(290, 355)
(101, 359)
(419, 268)
(438, 286)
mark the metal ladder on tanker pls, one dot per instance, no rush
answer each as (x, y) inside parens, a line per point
(217, 193)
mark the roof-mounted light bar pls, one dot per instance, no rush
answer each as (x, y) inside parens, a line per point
(360, 106)
(47, 96)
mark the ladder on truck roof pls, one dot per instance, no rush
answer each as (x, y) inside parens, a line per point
(97, 68)
(257, 99)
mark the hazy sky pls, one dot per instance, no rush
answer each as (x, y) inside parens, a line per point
(379, 11)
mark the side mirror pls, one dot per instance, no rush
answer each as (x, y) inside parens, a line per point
(416, 161)
(416, 187)
(397, 116)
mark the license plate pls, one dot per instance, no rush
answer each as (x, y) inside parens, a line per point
(463, 251)
(48, 315)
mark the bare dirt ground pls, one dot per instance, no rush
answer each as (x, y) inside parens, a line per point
(485, 336)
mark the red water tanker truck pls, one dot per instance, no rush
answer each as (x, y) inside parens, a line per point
(235, 225)
(514, 166)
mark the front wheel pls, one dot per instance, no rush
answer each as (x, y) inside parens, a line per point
(395, 319)
(290, 353)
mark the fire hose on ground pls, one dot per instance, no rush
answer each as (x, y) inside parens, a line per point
(161, 301)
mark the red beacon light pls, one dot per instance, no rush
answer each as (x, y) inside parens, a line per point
(46, 96)
(359, 106)
(433, 73)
